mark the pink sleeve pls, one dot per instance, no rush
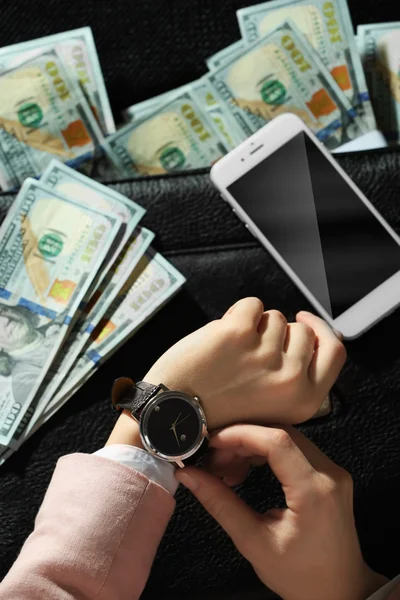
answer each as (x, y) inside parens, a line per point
(95, 536)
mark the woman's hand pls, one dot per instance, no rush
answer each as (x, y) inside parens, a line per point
(307, 551)
(252, 366)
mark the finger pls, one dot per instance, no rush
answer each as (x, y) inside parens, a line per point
(228, 466)
(300, 342)
(272, 329)
(319, 461)
(238, 520)
(329, 355)
(230, 310)
(220, 461)
(338, 334)
(240, 469)
(246, 312)
(238, 475)
(284, 457)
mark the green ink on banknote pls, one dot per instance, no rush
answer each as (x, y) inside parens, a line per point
(50, 245)
(273, 92)
(30, 114)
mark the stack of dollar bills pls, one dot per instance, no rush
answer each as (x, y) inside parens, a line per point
(54, 104)
(78, 277)
(298, 56)
(379, 47)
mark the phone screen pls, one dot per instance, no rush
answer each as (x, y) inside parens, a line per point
(318, 224)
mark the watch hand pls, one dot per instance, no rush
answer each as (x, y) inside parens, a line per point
(176, 420)
(179, 422)
(176, 436)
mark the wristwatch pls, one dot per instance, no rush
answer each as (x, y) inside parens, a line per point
(172, 424)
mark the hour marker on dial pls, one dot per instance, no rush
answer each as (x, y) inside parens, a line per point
(183, 437)
(157, 409)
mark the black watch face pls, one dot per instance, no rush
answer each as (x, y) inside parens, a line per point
(173, 426)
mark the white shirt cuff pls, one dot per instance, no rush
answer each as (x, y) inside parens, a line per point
(153, 468)
(384, 591)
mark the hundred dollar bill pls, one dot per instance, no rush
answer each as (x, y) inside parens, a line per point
(89, 319)
(150, 286)
(328, 27)
(22, 434)
(42, 116)
(358, 44)
(122, 270)
(5, 454)
(85, 190)
(222, 119)
(379, 45)
(281, 73)
(24, 431)
(177, 136)
(50, 251)
(138, 111)
(220, 58)
(78, 52)
(205, 96)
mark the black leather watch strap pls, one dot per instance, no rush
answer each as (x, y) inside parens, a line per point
(133, 396)
(198, 455)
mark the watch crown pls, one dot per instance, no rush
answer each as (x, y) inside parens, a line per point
(196, 398)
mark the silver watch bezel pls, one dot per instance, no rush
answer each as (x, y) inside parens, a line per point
(195, 402)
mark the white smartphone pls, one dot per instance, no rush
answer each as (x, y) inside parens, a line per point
(307, 212)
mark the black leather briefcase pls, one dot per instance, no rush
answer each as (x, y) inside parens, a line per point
(145, 48)
(222, 262)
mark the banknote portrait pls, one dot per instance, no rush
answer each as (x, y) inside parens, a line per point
(25, 343)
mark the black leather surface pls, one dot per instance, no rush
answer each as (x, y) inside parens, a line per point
(146, 48)
(222, 262)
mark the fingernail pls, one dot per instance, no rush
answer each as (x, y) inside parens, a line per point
(188, 481)
(304, 312)
(338, 334)
(227, 481)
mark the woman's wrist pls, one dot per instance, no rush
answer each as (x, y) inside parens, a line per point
(175, 382)
(126, 431)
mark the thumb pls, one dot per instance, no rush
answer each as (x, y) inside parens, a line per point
(239, 521)
(314, 322)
